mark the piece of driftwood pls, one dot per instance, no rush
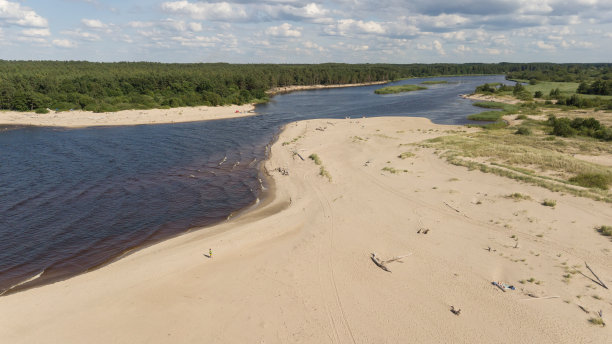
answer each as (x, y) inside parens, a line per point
(542, 298)
(383, 263)
(584, 309)
(600, 282)
(298, 154)
(450, 206)
(455, 311)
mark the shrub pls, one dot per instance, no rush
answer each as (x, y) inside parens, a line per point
(523, 131)
(314, 157)
(604, 230)
(549, 203)
(592, 180)
(538, 94)
(41, 110)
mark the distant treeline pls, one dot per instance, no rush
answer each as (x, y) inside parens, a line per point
(599, 87)
(38, 85)
(568, 72)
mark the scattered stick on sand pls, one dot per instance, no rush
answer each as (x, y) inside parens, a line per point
(383, 263)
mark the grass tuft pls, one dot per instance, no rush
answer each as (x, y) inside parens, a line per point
(549, 203)
(314, 157)
(592, 180)
(406, 155)
(399, 89)
(604, 230)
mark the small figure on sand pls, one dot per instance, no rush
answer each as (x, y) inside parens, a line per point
(210, 253)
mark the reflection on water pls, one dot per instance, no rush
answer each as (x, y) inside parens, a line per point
(73, 199)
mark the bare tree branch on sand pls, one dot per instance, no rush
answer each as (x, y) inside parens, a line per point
(383, 263)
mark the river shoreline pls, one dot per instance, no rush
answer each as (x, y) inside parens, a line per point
(299, 267)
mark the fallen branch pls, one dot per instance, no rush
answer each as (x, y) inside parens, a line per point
(542, 298)
(600, 282)
(455, 209)
(383, 263)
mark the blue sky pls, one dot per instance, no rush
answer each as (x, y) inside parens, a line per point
(296, 31)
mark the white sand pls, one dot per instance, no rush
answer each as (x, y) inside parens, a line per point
(297, 270)
(78, 118)
(287, 89)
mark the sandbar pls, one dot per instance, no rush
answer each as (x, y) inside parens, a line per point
(298, 269)
(80, 118)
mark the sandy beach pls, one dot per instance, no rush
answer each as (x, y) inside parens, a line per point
(288, 89)
(79, 118)
(297, 268)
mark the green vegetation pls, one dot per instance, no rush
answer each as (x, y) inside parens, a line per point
(593, 180)
(399, 89)
(579, 126)
(492, 116)
(604, 230)
(538, 159)
(518, 196)
(64, 85)
(597, 321)
(314, 157)
(549, 203)
(524, 131)
(393, 170)
(324, 173)
(406, 155)
(292, 141)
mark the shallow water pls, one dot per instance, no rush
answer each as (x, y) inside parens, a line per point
(74, 199)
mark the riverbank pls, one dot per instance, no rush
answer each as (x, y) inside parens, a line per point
(80, 118)
(289, 89)
(299, 270)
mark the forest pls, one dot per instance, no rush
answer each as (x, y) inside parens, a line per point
(100, 87)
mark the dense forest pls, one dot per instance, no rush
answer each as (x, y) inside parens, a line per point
(570, 72)
(57, 85)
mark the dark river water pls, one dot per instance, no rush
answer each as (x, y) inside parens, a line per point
(74, 199)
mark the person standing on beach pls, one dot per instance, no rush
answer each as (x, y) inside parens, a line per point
(210, 253)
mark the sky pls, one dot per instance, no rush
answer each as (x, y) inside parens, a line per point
(307, 31)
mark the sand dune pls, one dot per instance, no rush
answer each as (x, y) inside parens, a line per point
(79, 118)
(297, 269)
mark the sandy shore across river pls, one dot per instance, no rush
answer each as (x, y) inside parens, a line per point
(298, 268)
(79, 118)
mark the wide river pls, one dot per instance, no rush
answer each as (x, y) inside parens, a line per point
(72, 200)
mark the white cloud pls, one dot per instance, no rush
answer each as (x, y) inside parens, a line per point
(36, 32)
(195, 27)
(438, 47)
(348, 27)
(493, 51)
(13, 13)
(64, 43)
(93, 23)
(545, 46)
(78, 33)
(197, 41)
(205, 10)
(283, 30)
(313, 46)
(462, 49)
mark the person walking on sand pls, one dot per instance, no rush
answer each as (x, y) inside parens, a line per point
(210, 253)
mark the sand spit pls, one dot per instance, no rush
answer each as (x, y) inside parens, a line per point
(79, 118)
(288, 89)
(490, 98)
(299, 269)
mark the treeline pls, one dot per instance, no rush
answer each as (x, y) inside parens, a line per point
(579, 126)
(599, 87)
(567, 72)
(38, 85)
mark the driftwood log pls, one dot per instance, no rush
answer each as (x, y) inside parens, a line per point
(383, 263)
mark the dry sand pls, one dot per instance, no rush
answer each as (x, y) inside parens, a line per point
(79, 118)
(298, 269)
(288, 89)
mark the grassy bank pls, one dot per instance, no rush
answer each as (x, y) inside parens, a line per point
(399, 89)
